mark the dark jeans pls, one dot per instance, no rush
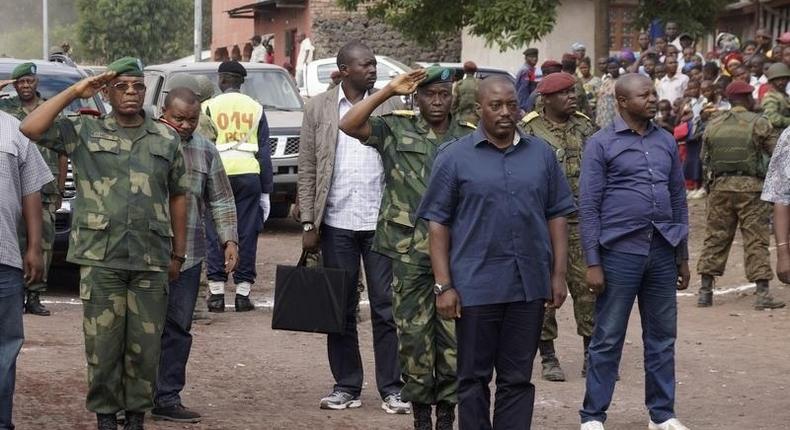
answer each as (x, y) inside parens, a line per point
(247, 195)
(652, 279)
(342, 249)
(12, 293)
(176, 339)
(502, 337)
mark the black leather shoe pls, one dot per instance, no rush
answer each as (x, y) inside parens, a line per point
(134, 420)
(216, 303)
(33, 305)
(243, 303)
(106, 422)
(176, 413)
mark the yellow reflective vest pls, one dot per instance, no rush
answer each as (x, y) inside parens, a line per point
(236, 117)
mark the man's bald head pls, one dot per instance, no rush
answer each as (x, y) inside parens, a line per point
(493, 84)
(628, 83)
(186, 95)
(636, 97)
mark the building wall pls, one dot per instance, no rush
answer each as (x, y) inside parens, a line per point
(226, 32)
(575, 23)
(277, 22)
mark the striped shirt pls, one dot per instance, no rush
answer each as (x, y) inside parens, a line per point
(22, 172)
(209, 187)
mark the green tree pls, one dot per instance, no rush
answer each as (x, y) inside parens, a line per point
(153, 30)
(511, 23)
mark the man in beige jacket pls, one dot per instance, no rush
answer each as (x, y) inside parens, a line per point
(340, 187)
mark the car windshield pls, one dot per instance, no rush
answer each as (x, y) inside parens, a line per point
(271, 88)
(50, 84)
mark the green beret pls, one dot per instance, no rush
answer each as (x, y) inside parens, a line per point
(23, 70)
(438, 74)
(127, 66)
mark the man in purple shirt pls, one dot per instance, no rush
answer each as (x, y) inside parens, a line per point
(634, 226)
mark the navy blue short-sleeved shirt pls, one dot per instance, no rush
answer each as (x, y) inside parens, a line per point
(497, 205)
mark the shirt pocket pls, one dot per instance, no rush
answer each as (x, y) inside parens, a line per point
(412, 142)
(397, 233)
(160, 234)
(159, 160)
(198, 176)
(102, 143)
(90, 236)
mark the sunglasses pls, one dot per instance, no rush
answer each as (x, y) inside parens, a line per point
(124, 86)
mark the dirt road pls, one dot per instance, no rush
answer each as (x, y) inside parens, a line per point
(732, 364)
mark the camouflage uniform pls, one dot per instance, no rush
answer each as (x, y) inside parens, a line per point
(427, 343)
(121, 237)
(776, 108)
(735, 195)
(50, 195)
(464, 98)
(567, 140)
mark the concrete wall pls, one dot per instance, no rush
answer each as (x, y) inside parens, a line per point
(575, 23)
(277, 22)
(226, 32)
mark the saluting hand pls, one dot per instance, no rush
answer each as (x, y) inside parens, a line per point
(6, 82)
(88, 87)
(406, 83)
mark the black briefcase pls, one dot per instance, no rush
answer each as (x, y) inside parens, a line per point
(310, 299)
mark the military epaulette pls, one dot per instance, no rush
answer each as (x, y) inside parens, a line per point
(530, 116)
(89, 111)
(581, 114)
(403, 112)
(468, 124)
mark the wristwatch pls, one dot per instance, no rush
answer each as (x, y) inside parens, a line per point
(180, 259)
(439, 288)
(308, 226)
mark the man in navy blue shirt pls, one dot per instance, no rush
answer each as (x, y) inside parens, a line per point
(634, 227)
(497, 204)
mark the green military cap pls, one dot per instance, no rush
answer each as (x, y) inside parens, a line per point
(183, 80)
(777, 70)
(23, 70)
(128, 66)
(438, 74)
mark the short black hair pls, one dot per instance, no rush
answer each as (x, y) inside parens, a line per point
(181, 93)
(345, 54)
(232, 79)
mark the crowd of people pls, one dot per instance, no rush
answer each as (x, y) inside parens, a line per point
(472, 215)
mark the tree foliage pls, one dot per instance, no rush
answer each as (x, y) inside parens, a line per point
(153, 30)
(515, 23)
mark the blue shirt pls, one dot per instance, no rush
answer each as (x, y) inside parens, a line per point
(631, 186)
(496, 204)
(524, 86)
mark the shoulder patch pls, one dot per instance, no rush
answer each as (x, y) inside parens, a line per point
(89, 112)
(581, 114)
(530, 116)
(402, 112)
(468, 124)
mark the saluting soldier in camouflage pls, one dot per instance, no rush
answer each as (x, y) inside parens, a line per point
(25, 83)
(130, 207)
(408, 144)
(566, 130)
(775, 105)
(736, 146)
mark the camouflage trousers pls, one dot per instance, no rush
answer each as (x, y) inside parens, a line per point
(47, 240)
(583, 299)
(123, 318)
(726, 210)
(426, 342)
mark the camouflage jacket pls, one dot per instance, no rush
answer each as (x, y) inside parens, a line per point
(776, 109)
(566, 139)
(206, 127)
(764, 136)
(49, 192)
(464, 97)
(407, 146)
(124, 180)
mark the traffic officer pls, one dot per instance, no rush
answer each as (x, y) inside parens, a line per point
(566, 130)
(775, 105)
(128, 232)
(408, 143)
(243, 145)
(737, 145)
(465, 94)
(25, 81)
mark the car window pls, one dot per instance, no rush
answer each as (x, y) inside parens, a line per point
(50, 84)
(398, 64)
(271, 88)
(152, 84)
(324, 72)
(385, 72)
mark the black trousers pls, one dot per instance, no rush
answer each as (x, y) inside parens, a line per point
(342, 249)
(502, 337)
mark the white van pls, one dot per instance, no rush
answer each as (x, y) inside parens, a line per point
(316, 79)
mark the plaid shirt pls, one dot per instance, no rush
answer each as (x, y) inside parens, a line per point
(22, 172)
(209, 187)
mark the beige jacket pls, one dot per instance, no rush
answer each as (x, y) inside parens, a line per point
(317, 144)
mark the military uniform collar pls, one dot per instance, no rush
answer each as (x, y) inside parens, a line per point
(110, 124)
(423, 127)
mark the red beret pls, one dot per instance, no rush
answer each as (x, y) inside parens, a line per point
(550, 63)
(733, 56)
(555, 83)
(568, 57)
(738, 88)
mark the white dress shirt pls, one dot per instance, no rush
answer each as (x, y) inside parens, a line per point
(258, 54)
(672, 88)
(357, 185)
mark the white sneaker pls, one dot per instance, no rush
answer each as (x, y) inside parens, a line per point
(592, 425)
(393, 404)
(670, 424)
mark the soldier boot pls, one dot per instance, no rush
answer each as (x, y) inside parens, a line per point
(422, 416)
(551, 365)
(445, 416)
(33, 305)
(216, 303)
(134, 420)
(586, 343)
(243, 303)
(705, 297)
(764, 299)
(106, 422)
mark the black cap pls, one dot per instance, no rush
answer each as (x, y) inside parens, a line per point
(256, 38)
(531, 51)
(232, 67)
